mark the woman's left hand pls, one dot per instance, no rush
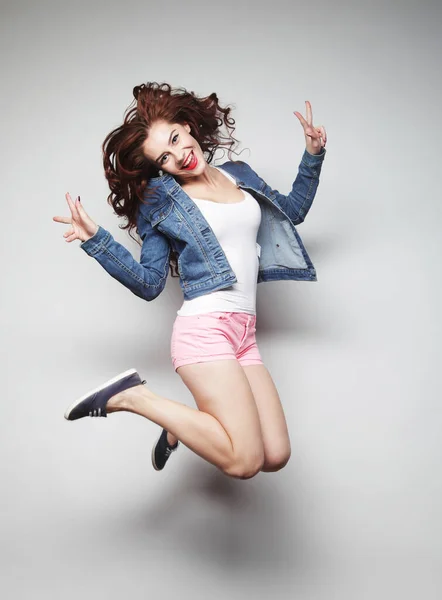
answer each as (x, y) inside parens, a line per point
(315, 137)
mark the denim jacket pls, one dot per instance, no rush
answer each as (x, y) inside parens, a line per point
(173, 220)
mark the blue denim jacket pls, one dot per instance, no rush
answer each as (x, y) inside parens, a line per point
(173, 220)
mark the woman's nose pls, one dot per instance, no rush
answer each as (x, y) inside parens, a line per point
(181, 158)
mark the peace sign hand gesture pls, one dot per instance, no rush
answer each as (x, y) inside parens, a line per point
(315, 137)
(83, 227)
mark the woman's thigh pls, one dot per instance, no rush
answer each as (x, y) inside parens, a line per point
(221, 388)
(274, 429)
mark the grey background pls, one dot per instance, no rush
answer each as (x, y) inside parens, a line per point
(356, 356)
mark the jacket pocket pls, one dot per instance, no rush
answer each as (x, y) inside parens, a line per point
(159, 214)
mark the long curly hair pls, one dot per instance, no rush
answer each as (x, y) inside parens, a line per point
(128, 170)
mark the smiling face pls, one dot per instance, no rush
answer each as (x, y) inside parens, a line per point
(171, 147)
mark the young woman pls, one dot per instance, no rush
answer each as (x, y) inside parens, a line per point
(224, 230)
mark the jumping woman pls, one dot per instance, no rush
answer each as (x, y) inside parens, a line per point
(222, 229)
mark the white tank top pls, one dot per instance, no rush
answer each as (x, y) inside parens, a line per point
(235, 226)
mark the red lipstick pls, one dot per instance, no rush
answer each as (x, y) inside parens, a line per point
(193, 163)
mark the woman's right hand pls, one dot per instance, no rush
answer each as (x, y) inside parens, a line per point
(83, 227)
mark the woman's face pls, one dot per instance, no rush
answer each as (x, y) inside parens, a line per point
(170, 146)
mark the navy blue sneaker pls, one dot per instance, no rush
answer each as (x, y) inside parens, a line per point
(161, 451)
(93, 404)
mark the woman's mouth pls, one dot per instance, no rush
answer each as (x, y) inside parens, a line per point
(191, 162)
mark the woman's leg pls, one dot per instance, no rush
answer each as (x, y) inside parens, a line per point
(275, 434)
(225, 429)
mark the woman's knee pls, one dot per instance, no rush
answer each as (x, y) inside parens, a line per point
(275, 460)
(246, 467)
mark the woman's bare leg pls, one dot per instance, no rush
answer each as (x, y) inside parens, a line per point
(274, 429)
(224, 430)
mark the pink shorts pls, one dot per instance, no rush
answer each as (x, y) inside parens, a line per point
(214, 336)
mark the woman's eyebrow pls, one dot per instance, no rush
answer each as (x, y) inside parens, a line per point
(170, 137)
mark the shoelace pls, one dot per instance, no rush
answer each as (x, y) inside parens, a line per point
(95, 413)
(168, 451)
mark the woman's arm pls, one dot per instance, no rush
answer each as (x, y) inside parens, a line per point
(299, 200)
(146, 278)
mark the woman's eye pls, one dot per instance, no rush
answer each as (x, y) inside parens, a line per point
(173, 140)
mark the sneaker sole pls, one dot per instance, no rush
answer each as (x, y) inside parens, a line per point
(97, 389)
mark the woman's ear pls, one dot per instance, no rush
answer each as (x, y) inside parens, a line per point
(186, 127)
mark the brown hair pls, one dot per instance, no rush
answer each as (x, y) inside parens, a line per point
(128, 170)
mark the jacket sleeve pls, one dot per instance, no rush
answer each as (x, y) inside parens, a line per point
(298, 202)
(146, 278)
